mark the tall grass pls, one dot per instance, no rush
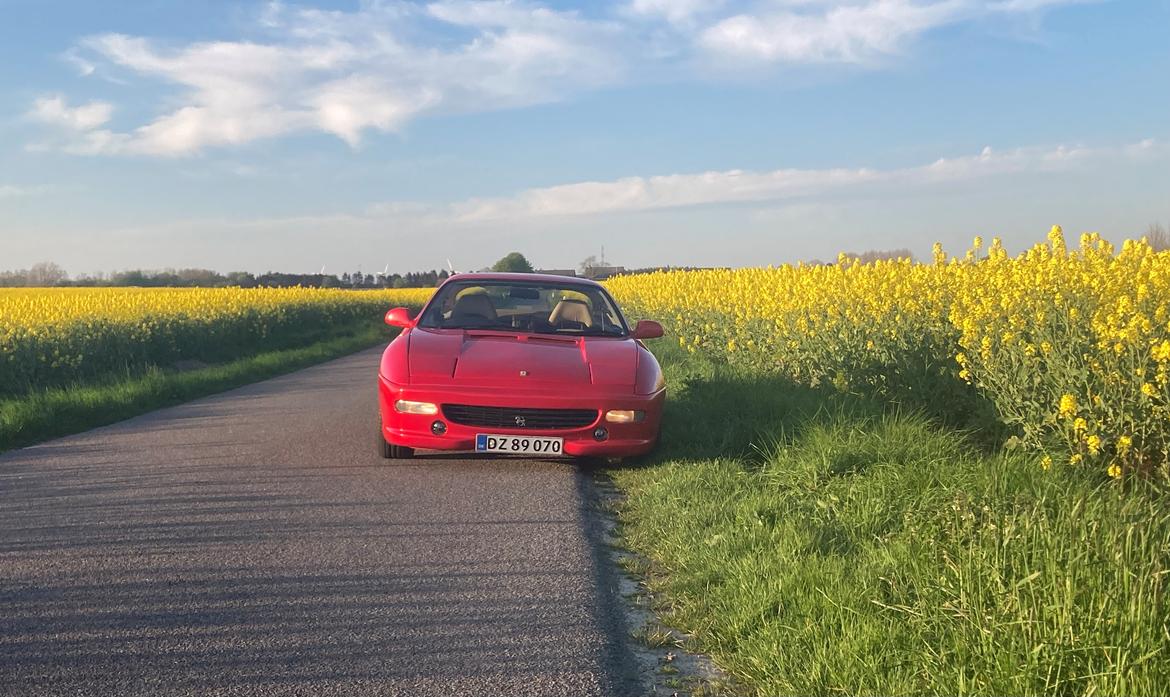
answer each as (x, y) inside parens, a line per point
(817, 543)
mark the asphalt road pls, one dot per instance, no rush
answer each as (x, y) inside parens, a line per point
(253, 543)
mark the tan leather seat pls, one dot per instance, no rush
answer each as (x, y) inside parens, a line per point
(570, 310)
(473, 305)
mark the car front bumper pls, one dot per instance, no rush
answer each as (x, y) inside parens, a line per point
(624, 439)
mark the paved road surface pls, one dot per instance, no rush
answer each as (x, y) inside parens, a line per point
(253, 543)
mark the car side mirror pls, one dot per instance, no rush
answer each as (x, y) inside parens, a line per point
(648, 329)
(399, 317)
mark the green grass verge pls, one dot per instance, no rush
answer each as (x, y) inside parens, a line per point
(815, 543)
(54, 412)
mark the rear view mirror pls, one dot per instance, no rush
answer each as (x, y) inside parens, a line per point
(648, 329)
(521, 293)
(399, 317)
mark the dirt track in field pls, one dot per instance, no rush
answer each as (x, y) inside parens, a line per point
(253, 543)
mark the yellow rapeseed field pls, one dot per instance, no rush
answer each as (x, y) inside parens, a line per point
(1070, 347)
(53, 337)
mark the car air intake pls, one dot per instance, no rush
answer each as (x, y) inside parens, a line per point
(515, 417)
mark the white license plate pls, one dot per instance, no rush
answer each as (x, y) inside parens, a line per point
(519, 445)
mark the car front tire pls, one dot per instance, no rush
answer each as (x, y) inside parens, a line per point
(394, 452)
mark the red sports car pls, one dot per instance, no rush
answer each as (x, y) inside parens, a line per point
(521, 364)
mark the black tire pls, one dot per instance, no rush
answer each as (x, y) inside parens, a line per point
(394, 452)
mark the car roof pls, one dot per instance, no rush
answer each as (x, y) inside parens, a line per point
(523, 277)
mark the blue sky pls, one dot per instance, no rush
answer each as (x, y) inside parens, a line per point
(261, 135)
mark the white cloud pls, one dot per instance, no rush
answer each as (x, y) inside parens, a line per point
(84, 67)
(379, 67)
(736, 186)
(348, 73)
(777, 189)
(56, 111)
(842, 33)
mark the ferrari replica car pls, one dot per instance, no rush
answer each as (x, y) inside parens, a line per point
(522, 364)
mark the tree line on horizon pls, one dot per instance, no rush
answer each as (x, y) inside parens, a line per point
(49, 274)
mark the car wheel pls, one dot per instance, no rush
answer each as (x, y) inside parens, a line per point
(394, 452)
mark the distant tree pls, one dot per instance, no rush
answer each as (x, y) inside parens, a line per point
(242, 279)
(587, 264)
(1158, 237)
(514, 263)
(202, 278)
(130, 278)
(12, 279)
(46, 273)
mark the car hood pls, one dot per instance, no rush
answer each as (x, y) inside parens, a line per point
(487, 358)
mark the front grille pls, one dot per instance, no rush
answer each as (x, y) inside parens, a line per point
(516, 417)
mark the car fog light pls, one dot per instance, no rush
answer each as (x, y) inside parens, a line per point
(600, 433)
(438, 428)
(403, 406)
(625, 416)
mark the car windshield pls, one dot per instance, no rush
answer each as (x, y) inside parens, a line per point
(540, 308)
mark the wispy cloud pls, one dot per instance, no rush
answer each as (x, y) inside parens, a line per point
(379, 67)
(844, 32)
(737, 186)
(55, 110)
(772, 190)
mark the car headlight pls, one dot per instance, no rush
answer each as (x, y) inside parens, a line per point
(403, 406)
(625, 416)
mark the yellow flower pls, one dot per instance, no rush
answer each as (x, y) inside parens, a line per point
(1124, 443)
(1114, 470)
(1046, 463)
(1075, 459)
(1093, 443)
(1090, 328)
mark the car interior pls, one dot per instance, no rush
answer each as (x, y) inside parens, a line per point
(525, 308)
